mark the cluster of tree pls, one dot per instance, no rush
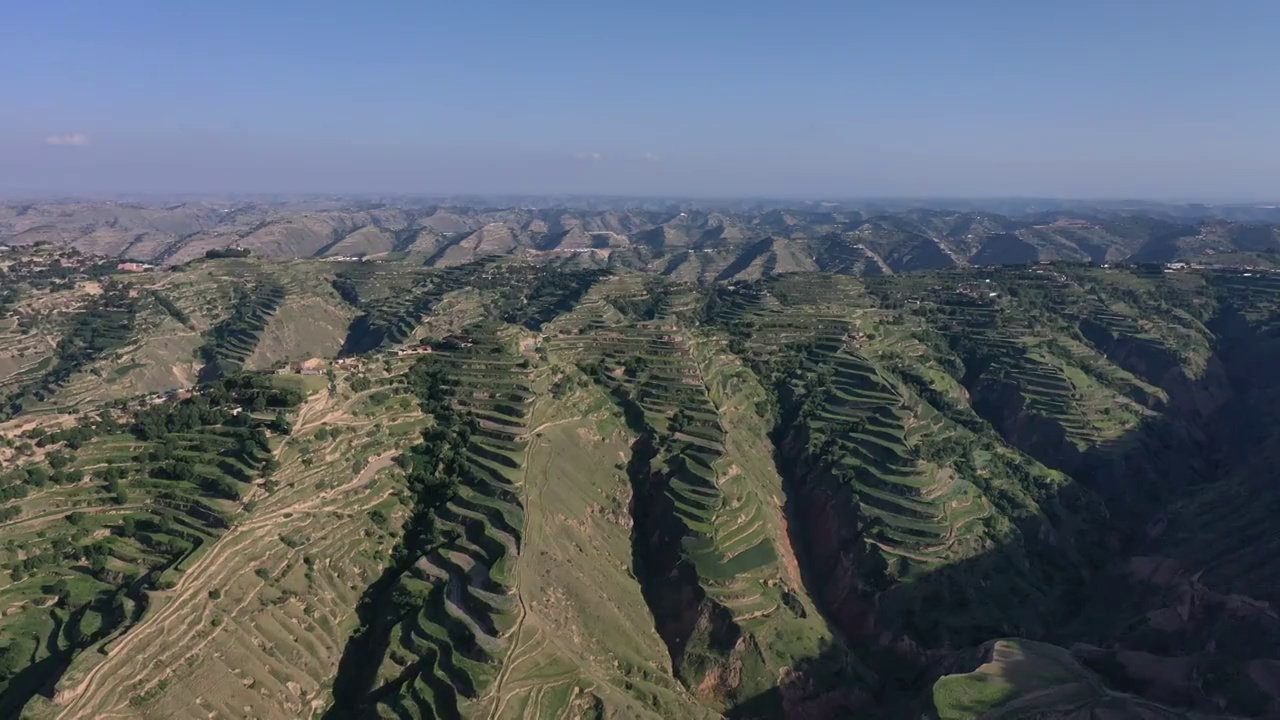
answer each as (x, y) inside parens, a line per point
(347, 289)
(174, 311)
(15, 486)
(644, 307)
(10, 293)
(183, 470)
(102, 327)
(957, 412)
(228, 401)
(227, 405)
(228, 252)
(437, 465)
(75, 436)
(635, 366)
(17, 483)
(42, 273)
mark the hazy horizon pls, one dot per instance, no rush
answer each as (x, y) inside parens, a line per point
(509, 199)
(1158, 101)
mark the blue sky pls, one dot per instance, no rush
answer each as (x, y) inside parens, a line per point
(1132, 98)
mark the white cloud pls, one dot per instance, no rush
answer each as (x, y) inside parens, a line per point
(651, 156)
(588, 156)
(71, 139)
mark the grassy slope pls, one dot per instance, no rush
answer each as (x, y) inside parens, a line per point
(580, 636)
(586, 628)
(306, 326)
(1020, 679)
(258, 620)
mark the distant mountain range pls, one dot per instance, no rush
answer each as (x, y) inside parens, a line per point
(693, 241)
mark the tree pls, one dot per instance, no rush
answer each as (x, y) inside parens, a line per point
(13, 657)
(220, 486)
(67, 477)
(116, 488)
(181, 470)
(280, 423)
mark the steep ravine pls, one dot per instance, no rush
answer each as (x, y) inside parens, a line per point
(706, 646)
(1175, 490)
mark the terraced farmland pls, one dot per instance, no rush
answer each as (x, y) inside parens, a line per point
(505, 490)
(25, 355)
(586, 645)
(392, 304)
(255, 624)
(158, 356)
(311, 322)
(892, 481)
(136, 509)
(103, 325)
(230, 343)
(707, 526)
(439, 618)
(1230, 487)
(1029, 370)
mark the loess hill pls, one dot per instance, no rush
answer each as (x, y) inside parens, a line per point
(684, 240)
(460, 484)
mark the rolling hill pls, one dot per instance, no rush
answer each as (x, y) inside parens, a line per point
(788, 463)
(682, 240)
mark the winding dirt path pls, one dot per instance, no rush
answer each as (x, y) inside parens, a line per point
(496, 694)
(157, 642)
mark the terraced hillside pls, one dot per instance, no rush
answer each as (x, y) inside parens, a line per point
(436, 623)
(510, 489)
(59, 354)
(104, 323)
(256, 622)
(963, 373)
(707, 543)
(100, 522)
(230, 343)
(398, 305)
(1232, 486)
(393, 303)
(890, 490)
(1024, 376)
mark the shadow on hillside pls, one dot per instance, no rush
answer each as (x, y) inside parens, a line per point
(354, 684)
(1060, 579)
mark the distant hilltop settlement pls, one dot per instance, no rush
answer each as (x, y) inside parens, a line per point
(134, 267)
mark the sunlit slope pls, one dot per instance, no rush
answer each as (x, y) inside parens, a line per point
(501, 489)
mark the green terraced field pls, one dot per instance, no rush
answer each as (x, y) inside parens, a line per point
(503, 489)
